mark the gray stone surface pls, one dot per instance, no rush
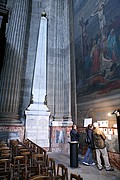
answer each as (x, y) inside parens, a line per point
(86, 172)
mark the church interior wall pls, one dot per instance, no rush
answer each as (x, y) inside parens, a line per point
(97, 77)
(97, 29)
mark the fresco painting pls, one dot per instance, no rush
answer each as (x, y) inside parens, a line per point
(97, 50)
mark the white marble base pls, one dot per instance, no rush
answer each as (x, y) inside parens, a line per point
(37, 125)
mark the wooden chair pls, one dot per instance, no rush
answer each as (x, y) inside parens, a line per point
(62, 173)
(5, 151)
(51, 168)
(23, 150)
(27, 155)
(5, 169)
(18, 166)
(32, 171)
(6, 156)
(75, 177)
(3, 142)
(13, 145)
(3, 145)
(19, 161)
(40, 177)
(4, 148)
(5, 175)
(37, 157)
(4, 165)
(39, 160)
(20, 147)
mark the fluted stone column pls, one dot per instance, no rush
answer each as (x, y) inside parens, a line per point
(73, 69)
(1, 18)
(59, 75)
(10, 80)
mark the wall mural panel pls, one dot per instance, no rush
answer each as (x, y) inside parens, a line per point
(97, 45)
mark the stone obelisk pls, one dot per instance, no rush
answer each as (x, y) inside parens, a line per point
(37, 114)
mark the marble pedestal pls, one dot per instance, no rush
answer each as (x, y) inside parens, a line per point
(37, 124)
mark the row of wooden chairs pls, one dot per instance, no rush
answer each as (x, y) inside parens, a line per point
(4, 160)
(62, 174)
(30, 160)
(15, 159)
(27, 161)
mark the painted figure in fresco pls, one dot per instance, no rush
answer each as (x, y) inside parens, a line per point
(84, 47)
(95, 56)
(112, 46)
(105, 61)
(105, 66)
(87, 61)
(101, 15)
(83, 34)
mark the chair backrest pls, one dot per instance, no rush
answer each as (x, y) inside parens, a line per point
(51, 168)
(27, 155)
(40, 177)
(18, 161)
(6, 155)
(62, 172)
(36, 157)
(75, 177)
(4, 165)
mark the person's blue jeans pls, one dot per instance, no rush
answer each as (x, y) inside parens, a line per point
(88, 156)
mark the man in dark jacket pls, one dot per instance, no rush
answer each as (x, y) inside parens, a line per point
(74, 134)
(100, 147)
(88, 159)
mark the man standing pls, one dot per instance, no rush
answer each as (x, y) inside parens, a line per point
(100, 147)
(88, 159)
(74, 134)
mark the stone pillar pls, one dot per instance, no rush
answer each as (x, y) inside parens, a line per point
(73, 69)
(3, 22)
(59, 75)
(59, 62)
(10, 80)
(1, 18)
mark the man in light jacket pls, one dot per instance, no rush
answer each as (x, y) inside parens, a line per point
(100, 147)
